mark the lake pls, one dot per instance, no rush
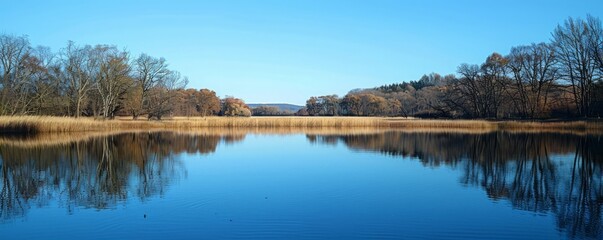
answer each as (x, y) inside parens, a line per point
(302, 185)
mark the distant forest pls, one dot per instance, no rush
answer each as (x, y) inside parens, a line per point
(558, 79)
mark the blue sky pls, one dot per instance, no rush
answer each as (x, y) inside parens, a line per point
(287, 50)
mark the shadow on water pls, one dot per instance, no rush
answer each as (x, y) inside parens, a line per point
(553, 173)
(98, 172)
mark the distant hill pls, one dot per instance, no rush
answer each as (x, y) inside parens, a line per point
(280, 106)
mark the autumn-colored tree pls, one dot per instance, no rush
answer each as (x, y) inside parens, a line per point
(207, 103)
(372, 105)
(367, 104)
(235, 107)
(395, 107)
(192, 102)
(327, 105)
(350, 105)
(184, 103)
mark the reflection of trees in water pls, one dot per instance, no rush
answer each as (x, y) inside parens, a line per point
(557, 173)
(580, 208)
(97, 173)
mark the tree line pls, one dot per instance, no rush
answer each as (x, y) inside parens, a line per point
(561, 78)
(101, 81)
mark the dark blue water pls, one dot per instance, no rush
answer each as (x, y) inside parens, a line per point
(391, 185)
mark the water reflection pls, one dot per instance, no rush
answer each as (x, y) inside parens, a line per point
(96, 173)
(544, 173)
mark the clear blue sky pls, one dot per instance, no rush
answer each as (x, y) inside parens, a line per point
(287, 50)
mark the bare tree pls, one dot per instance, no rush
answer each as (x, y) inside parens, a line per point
(572, 42)
(468, 94)
(534, 74)
(595, 39)
(14, 61)
(23, 86)
(47, 93)
(79, 69)
(162, 95)
(481, 91)
(495, 84)
(113, 80)
(149, 73)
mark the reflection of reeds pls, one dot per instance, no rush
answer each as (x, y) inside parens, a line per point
(44, 124)
(64, 138)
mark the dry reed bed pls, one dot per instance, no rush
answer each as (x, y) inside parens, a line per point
(36, 124)
(587, 126)
(44, 124)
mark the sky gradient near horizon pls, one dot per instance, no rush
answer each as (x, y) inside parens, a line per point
(277, 51)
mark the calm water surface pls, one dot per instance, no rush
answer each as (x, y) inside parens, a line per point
(303, 186)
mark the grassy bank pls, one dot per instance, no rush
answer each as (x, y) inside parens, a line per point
(44, 124)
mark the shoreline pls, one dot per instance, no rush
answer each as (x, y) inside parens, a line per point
(46, 124)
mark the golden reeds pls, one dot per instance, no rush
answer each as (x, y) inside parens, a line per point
(46, 124)
(37, 124)
(595, 126)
